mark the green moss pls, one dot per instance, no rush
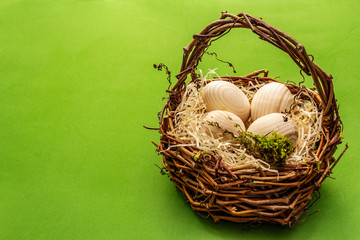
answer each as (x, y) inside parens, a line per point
(273, 149)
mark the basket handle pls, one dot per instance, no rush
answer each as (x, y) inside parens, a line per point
(195, 50)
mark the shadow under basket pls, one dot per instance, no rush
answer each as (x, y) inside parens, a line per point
(247, 193)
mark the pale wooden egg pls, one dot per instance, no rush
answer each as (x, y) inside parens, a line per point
(275, 122)
(222, 95)
(271, 98)
(217, 121)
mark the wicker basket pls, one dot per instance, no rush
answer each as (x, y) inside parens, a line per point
(247, 193)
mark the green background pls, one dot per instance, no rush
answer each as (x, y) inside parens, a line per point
(77, 84)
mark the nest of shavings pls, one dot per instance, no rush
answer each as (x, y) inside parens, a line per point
(190, 129)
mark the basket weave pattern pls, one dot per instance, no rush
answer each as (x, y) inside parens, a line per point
(247, 193)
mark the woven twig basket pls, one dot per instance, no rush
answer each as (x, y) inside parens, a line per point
(247, 193)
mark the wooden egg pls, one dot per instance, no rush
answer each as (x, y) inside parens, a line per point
(271, 98)
(275, 122)
(217, 121)
(222, 95)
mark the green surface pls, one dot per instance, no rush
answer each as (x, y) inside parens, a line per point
(77, 84)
